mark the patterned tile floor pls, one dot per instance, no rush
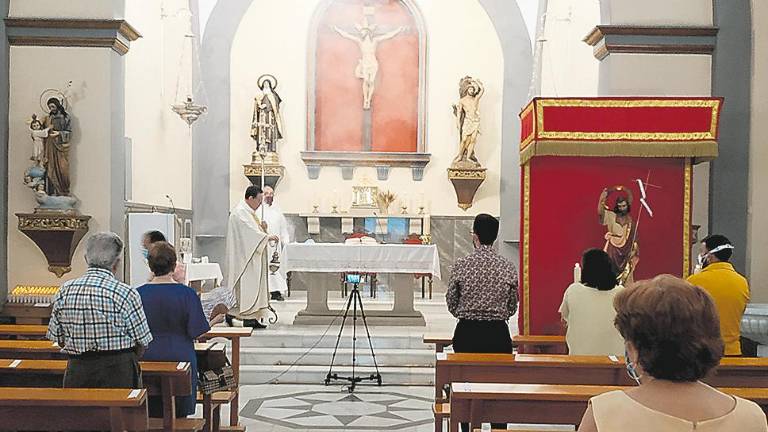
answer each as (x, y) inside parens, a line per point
(286, 407)
(304, 408)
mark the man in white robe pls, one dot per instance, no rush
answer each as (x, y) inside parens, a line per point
(246, 258)
(277, 225)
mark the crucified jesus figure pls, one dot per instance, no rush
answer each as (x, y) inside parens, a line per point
(368, 66)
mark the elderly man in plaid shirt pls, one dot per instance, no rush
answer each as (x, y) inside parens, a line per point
(99, 321)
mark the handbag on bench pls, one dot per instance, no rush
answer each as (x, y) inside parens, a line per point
(214, 372)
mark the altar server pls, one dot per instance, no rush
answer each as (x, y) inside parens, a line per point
(277, 225)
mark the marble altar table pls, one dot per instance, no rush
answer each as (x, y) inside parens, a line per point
(402, 261)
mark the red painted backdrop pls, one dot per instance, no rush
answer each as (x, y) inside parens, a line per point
(338, 93)
(563, 222)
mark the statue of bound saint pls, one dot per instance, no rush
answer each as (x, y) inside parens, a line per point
(621, 245)
(467, 113)
(266, 124)
(56, 148)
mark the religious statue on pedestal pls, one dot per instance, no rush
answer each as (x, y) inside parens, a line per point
(467, 113)
(613, 209)
(56, 226)
(49, 176)
(266, 130)
(368, 65)
(267, 125)
(466, 173)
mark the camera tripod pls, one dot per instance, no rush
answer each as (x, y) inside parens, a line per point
(353, 301)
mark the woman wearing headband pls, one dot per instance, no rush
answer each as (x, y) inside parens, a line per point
(728, 288)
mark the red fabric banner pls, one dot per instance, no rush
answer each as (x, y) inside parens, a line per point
(562, 222)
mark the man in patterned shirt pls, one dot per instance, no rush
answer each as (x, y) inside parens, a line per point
(482, 294)
(99, 321)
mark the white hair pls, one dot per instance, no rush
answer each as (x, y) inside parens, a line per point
(103, 250)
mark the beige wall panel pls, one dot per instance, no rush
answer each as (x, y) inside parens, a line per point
(71, 8)
(155, 66)
(658, 12)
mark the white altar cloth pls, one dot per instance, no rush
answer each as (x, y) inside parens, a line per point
(204, 271)
(378, 258)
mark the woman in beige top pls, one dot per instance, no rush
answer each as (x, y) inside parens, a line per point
(673, 340)
(587, 308)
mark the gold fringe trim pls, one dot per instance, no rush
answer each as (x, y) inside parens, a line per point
(526, 249)
(688, 171)
(700, 150)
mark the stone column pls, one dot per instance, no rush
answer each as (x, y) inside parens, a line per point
(54, 43)
(757, 255)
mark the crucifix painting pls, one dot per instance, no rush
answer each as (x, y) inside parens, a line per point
(368, 65)
(368, 77)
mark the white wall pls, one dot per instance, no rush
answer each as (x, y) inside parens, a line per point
(30, 74)
(156, 63)
(461, 41)
(568, 67)
(757, 256)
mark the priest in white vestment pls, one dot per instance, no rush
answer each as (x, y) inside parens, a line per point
(277, 225)
(247, 259)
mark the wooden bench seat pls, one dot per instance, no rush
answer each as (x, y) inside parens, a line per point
(23, 330)
(564, 369)
(523, 343)
(478, 403)
(166, 379)
(182, 424)
(441, 411)
(29, 409)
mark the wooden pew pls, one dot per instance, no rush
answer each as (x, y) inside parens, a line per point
(564, 369)
(28, 409)
(24, 330)
(233, 334)
(47, 350)
(166, 379)
(540, 403)
(31, 349)
(523, 343)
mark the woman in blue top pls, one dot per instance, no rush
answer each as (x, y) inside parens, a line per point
(175, 318)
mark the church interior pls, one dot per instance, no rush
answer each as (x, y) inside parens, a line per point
(383, 215)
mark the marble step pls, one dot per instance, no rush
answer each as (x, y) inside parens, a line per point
(259, 374)
(322, 356)
(308, 336)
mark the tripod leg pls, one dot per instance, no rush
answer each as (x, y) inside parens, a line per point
(356, 295)
(370, 343)
(338, 338)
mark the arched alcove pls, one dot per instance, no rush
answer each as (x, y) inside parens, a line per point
(366, 74)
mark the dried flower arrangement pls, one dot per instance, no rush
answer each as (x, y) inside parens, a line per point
(384, 199)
